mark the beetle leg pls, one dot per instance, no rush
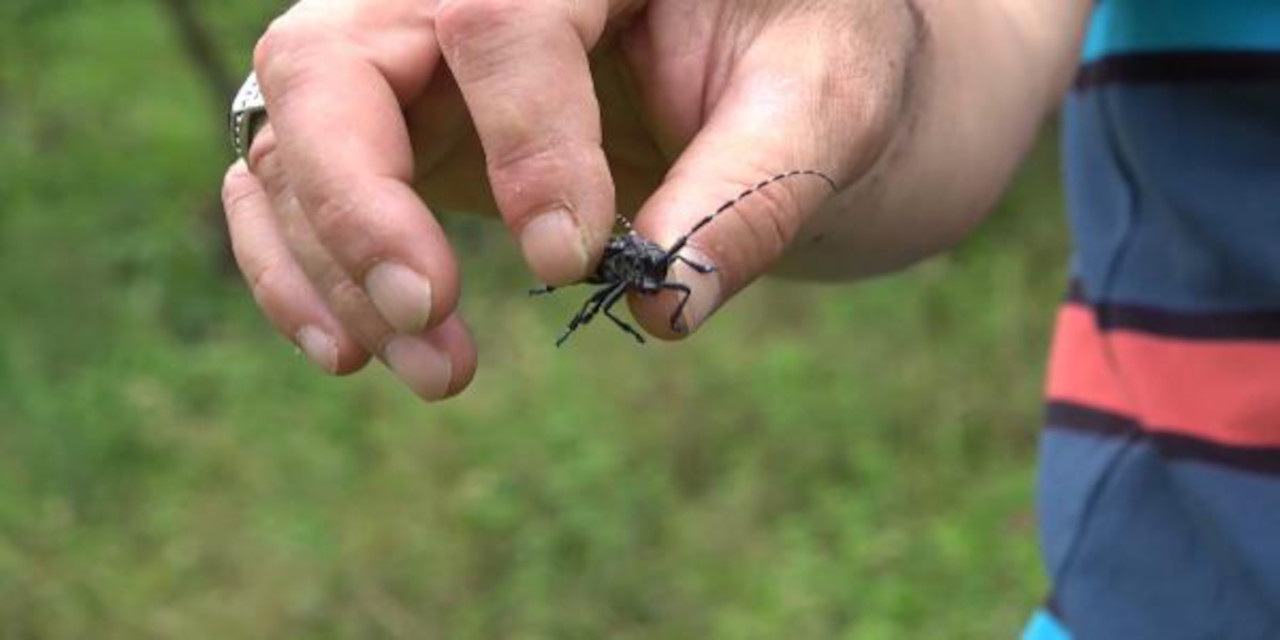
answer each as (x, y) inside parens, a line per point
(700, 268)
(677, 323)
(543, 290)
(589, 309)
(613, 299)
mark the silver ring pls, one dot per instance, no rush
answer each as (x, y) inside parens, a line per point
(248, 114)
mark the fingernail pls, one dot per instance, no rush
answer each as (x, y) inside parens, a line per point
(704, 287)
(420, 366)
(319, 347)
(401, 295)
(555, 248)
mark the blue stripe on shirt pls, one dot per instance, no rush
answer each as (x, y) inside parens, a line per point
(1139, 557)
(1136, 26)
(1044, 627)
(1175, 195)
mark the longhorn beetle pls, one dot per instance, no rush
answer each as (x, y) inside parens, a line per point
(634, 263)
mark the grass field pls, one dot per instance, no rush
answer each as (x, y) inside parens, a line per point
(821, 462)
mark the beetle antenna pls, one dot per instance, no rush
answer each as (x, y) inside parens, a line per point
(744, 195)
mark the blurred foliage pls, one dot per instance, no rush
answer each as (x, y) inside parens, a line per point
(823, 462)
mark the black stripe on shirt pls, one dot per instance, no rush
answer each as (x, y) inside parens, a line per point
(1261, 325)
(1079, 417)
(1186, 325)
(1181, 67)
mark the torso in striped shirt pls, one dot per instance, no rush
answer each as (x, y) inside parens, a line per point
(1160, 474)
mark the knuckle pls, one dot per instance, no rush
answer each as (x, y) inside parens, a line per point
(238, 188)
(521, 158)
(262, 154)
(284, 35)
(773, 220)
(461, 22)
(335, 217)
(351, 304)
(290, 39)
(344, 293)
(530, 170)
(269, 285)
(280, 37)
(351, 238)
(328, 278)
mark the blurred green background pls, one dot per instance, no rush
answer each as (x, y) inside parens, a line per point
(822, 462)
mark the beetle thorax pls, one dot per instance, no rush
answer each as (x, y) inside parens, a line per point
(638, 262)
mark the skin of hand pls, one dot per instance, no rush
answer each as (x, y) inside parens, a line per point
(554, 115)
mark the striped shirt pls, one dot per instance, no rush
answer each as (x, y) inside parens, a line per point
(1159, 497)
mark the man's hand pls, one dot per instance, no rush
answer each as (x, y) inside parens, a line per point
(666, 108)
(369, 99)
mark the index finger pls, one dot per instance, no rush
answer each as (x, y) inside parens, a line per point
(523, 70)
(335, 75)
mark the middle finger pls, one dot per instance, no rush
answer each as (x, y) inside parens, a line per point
(523, 71)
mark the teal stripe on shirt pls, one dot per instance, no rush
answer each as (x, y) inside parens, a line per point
(1044, 627)
(1150, 26)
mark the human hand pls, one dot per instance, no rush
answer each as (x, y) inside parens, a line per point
(690, 102)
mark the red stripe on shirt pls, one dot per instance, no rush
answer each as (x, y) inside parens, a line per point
(1226, 392)
(1078, 367)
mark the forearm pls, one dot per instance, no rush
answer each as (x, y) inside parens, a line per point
(983, 78)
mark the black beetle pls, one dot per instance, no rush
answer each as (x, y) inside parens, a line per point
(633, 263)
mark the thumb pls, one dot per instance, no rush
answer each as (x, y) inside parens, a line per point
(776, 146)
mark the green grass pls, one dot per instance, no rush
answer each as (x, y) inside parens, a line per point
(822, 462)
